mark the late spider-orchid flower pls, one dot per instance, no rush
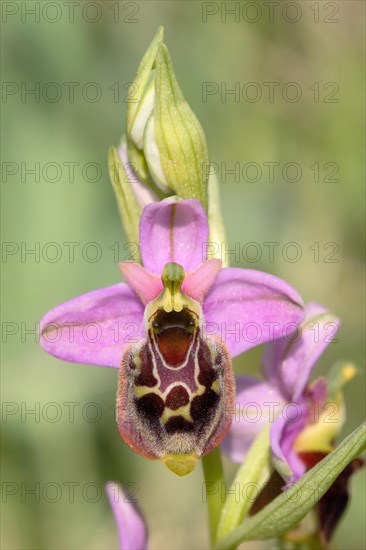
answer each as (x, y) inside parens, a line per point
(172, 329)
(309, 418)
(302, 424)
(131, 526)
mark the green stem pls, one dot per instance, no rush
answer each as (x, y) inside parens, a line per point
(214, 478)
(252, 475)
(281, 545)
(311, 543)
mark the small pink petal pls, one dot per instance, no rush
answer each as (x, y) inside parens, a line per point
(197, 283)
(146, 285)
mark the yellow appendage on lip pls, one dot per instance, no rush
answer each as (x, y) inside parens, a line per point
(180, 464)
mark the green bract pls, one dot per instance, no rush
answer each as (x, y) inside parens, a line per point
(128, 206)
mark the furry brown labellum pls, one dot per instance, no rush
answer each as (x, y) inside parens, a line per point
(176, 388)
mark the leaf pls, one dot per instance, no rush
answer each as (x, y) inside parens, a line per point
(179, 135)
(285, 511)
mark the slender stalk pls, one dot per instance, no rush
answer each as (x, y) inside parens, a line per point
(281, 544)
(214, 478)
(251, 475)
(311, 543)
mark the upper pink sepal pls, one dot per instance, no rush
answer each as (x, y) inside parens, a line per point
(173, 231)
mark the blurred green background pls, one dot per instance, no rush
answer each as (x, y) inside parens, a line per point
(324, 46)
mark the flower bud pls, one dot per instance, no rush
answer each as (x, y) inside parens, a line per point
(165, 142)
(162, 126)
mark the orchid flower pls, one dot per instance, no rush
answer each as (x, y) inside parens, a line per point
(180, 316)
(310, 416)
(287, 365)
(130, 523)
(172, 329)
